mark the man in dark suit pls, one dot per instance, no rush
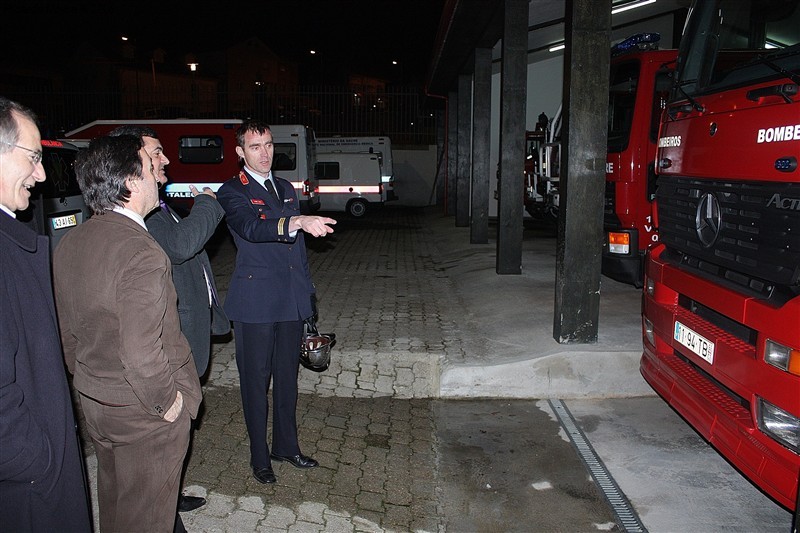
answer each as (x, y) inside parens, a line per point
(269, 296)
(118, 315)
(184, 239)
(42, 482)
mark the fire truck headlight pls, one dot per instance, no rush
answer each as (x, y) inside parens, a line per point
(780, 425)
(783, 357)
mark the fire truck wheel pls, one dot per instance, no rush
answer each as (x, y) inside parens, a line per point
(357, 208)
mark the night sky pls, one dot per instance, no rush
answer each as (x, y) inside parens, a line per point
(359, 36)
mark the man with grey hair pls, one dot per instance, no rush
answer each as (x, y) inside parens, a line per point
(42, 483)
(122, 339)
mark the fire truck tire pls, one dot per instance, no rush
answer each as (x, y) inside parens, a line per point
(357, 208)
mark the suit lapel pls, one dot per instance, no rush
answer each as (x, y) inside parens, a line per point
(257, 191)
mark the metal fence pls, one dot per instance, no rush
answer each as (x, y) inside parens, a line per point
(401, 114)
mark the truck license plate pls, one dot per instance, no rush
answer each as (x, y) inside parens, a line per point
(695, 342)
(64, 222)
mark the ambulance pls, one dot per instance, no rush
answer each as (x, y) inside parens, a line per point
(202, 152)
(349, 182)
(381, 146)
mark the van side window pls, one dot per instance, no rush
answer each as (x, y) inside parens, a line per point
(284, 157)
(206, 149)
(327, 171)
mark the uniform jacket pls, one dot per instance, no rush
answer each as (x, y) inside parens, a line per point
(118, 315)
(42, 486)
(271, 281)
(183, 240)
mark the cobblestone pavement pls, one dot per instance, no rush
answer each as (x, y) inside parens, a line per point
(395, 458)
(367, 419)
(370, 419)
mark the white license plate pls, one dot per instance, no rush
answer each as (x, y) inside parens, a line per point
(64, 222)
(695, 342)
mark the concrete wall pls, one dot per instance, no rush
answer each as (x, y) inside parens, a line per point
(414, 175)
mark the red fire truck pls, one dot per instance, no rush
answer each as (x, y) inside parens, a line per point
(641, 77)
(721, 300)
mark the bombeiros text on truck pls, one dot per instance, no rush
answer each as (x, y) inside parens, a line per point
(721, 301)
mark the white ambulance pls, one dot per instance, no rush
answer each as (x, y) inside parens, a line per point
(349, 182)
(381, 146)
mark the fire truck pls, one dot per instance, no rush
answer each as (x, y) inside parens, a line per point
(641, 77)
(203, 153)
(721, 297)
(542, 168)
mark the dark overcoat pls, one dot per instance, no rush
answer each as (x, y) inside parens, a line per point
(184, 239)
(42, 482)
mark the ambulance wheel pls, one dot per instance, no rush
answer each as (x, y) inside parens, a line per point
(357, 208)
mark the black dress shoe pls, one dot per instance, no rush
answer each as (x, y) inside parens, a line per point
(189, 503)
(264, 475)
(300, 460)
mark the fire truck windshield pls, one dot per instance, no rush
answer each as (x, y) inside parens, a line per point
(621, 100)
(737, 42)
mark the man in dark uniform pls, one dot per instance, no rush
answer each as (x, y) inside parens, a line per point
(42, 483)
(269, 296)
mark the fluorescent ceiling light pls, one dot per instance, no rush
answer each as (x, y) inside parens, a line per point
(631, 5)
(614, 11)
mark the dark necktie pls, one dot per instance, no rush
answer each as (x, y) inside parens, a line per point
(271, 188)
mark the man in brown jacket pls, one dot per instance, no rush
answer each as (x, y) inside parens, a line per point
(122, 340)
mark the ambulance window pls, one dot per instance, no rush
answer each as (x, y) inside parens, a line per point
(205, 149)
(284, 157)
(327, 170)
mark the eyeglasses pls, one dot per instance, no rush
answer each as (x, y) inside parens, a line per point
(36, 155)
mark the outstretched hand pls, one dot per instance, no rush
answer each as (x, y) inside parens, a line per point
(206, 190)
(313, 225)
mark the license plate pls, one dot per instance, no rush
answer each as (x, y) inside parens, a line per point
(64, 222)
(695, 342)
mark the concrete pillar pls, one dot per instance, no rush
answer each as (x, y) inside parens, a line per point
(438, 194)
(452, 153)
(583, 160)
(481, 117)
(464, 149)
(513, 91)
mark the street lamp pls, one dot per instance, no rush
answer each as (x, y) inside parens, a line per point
(396, 63)
(319, 61)
(192, 63)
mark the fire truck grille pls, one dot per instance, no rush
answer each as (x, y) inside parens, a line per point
(746, 234)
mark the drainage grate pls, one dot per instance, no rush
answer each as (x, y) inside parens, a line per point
(623, 510)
